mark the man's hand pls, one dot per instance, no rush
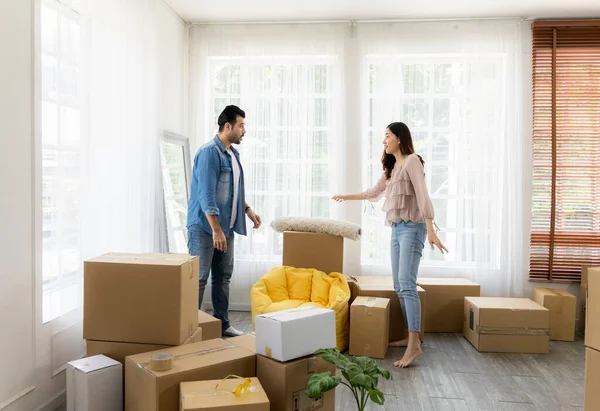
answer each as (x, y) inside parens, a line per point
(219, 241)
(255, 218)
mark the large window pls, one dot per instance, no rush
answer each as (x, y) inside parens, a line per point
(287, 151)
(565, 225)
(61, 158)
(435, 96)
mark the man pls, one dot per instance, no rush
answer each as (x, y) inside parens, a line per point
(216, 211)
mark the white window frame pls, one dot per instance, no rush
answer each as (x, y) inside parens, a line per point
(63, 294)
(372, 216)
(272, 162)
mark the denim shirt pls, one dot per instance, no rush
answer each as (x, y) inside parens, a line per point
(212, 189)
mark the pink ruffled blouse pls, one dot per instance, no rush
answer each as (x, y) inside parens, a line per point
(406, 196)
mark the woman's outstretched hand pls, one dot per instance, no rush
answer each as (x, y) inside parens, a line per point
(339, 198)
(435, 241)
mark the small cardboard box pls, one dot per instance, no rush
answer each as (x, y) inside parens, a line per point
(583, 292)
(369, 327)
(383, 287)
(218, 395)
(322, 252)
(95, 384)
(510, 325)
(285, 383)
(592, 380)
(211, 326)
(148, 390)
(445, 302)
(119, 350)
(290, 334)
(563, 311)
(592, 332)
(142, 298)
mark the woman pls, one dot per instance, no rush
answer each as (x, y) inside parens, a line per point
(409, 212)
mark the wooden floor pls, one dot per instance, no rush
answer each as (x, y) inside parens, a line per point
(451, 375)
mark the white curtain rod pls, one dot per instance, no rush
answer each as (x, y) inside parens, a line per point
(357, 21)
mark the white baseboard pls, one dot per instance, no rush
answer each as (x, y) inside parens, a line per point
(55, 402)
(16, 398)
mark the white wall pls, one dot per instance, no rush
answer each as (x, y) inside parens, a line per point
(173, 71)
(16, 224)
(33, 378)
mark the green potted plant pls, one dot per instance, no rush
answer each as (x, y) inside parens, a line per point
(361, 375)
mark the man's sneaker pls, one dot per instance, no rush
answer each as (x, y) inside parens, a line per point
(232, 332)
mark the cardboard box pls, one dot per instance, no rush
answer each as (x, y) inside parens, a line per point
(323, 252)
(119, 350)
(583, 292)
(217, 395)
(510, 325)
(211, 326)
(370, 327)
(248, 341)
(592, 380)
(383, 287)
(285, 383)
(445, 302)
(148, 390)
(592, 332)
(290, 334)
(563, 311)
(142, 298)
(95, 384)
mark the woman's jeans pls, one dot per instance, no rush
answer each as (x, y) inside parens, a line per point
(408, 241)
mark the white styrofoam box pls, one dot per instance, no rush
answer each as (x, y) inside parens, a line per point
(95, 384)
(298, 332)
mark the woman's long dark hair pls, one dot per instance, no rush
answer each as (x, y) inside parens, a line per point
(401, 131)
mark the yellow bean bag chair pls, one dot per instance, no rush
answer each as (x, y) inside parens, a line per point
(283, 288)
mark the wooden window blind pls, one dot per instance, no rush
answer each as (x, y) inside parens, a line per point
(565, 225)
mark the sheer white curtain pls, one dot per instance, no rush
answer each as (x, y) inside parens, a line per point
(457, 85)
(119, 210)
(288, 79)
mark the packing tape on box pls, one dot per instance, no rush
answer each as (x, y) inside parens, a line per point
(240, 390)
(512, 331)
(161, 362)
(371, 302)
(182, 356)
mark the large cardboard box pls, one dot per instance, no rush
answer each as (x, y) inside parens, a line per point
(383, 287)
(323, 252)
(592, 380)
(445, 302)
(370, 327)
(95, 384)
(142, 298)
(149, 390)
(218, 395)
(298, 332)
(119, 350)
(285, 383)
(511, 325)
(563, 311)
(248, 341)
(592, 332)
(211, 326)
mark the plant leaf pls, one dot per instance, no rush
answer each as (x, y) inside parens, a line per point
(362, 380)
(320, 383)
(367, 365)
(384, 373)
(376, 396)
(334, 357)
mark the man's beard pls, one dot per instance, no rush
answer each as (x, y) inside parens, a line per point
(235, 140)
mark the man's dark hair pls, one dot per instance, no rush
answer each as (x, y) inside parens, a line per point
(230, 115)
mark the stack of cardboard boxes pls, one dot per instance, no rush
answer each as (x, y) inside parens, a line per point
(592, 339)
(142, 310)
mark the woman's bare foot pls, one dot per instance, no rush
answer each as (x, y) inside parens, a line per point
(401, 343)
(410, 356)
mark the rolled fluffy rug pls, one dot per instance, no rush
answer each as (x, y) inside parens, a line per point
(317, 225)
